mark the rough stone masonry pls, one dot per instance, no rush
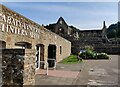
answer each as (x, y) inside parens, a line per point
(18, 67)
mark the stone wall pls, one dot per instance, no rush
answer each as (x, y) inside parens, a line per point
(18, 67)
(26, 31)
(29, 67)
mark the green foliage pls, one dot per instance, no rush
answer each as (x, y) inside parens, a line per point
(83, 55)
(71, 60)
(90, 54)
(113, 31)
(102, 56)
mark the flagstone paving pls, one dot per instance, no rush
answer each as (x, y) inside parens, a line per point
(60, 73)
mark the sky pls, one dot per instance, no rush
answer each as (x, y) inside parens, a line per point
(59, 0)
(82, 15)
(119, 11)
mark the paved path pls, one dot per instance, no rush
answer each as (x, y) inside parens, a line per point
(99, 72)
(59, 73)
(91, 72)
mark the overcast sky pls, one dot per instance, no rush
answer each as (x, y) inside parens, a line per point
(83, 15)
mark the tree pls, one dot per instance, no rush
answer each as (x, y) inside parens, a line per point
(113, 31)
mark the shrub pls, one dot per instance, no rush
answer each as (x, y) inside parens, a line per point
(102, 56)
(92, 55)
(88, 55)
(83, 55)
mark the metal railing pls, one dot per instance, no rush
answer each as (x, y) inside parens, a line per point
(47, 65)
(54, 62)
(45, 62)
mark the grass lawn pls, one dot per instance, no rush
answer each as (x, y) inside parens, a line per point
(71, 60)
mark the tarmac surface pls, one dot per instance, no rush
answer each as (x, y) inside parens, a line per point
(90, 72)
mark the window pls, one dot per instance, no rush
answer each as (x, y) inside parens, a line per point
(61, 22)
(60, 49)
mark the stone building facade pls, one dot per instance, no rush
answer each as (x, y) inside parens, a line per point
(19, 32)
(40, 46)
(97, 38)
(61, 28)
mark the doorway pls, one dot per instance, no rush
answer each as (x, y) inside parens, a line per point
(51, 55)
(40, 56)
(2, 44)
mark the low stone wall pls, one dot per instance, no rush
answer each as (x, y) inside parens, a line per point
(18, 67)
(29, 67)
